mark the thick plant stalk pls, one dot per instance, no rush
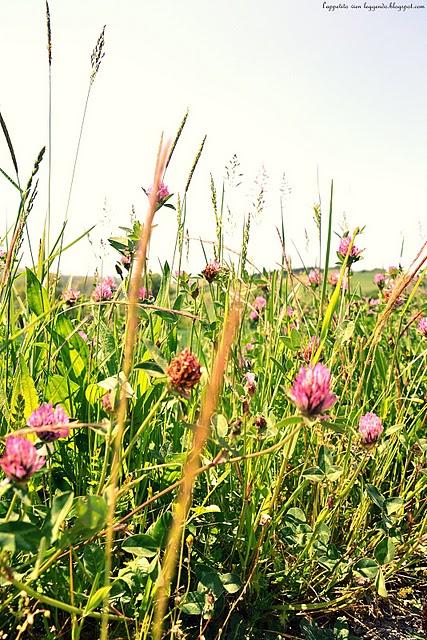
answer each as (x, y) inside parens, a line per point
(131, 327)
(192, 465)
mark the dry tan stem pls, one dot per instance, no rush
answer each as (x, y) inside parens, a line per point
(131, 327)
(191, 468)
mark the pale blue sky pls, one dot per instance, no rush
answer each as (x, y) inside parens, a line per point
(284, 84)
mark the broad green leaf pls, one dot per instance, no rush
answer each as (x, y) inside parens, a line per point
(385, 551)
(193, 604)
(380, 584)
(141, 545)
(367, 568)
(26, 536)
(37, 297)
(231, 582)
(61, 507)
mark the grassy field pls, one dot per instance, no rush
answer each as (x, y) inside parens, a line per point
(226, 455)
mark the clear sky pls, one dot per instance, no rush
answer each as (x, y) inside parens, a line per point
(284, 84)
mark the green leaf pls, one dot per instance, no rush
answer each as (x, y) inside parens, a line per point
(91, 512)
(95, 599)
(141, 545)
(159, 531)
(212, 508)
(193, 604)
(151, 367)
(314, 474)
(231, 582)
(19, 536)
(37, 297)
(393, 505)
(221, 425)
(367, 568)
(385, 551)
(209, 580)
(376, 497)
(380, 584)
(61, 506)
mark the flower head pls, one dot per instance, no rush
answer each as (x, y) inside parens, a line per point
(20, 459)
(379, 280)
(422, 326)
(333, 277)
(47, 415)
(344, 247)
(251, 384)
(184, 372)
(249, 346)
(144, 294)
(103, 290)
(370, 428)
(290, 312)
(70, 296)
(3, 255)
(254, 315)
(106, 402)
(310, 348)
(162, 192)
(211, 271)
(314, 277)
(311, 391)
(260, 303)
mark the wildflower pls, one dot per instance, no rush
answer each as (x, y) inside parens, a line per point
(260, 303)
(184, 372)
(314, 277)
(20, 459)
(333, 277)
(211, 271)
(162, 192)
(254, 316)
(126, 260)
(249, 346)
(106, 402)
(3, 255)
(83, 335)
(103, 291)
(290, 312)
(251, 384)
(70, 296)
(260, 423)
(344, 246)
(46, 415)
(310, 348)
(311, 391)
(422, 326)
(370, 428)
(110, 282)
(379, 280)
(144, 294)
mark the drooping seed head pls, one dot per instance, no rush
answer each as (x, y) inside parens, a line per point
(311, 391)
(20, 459)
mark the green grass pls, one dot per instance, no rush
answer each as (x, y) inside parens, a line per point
(288, 515)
